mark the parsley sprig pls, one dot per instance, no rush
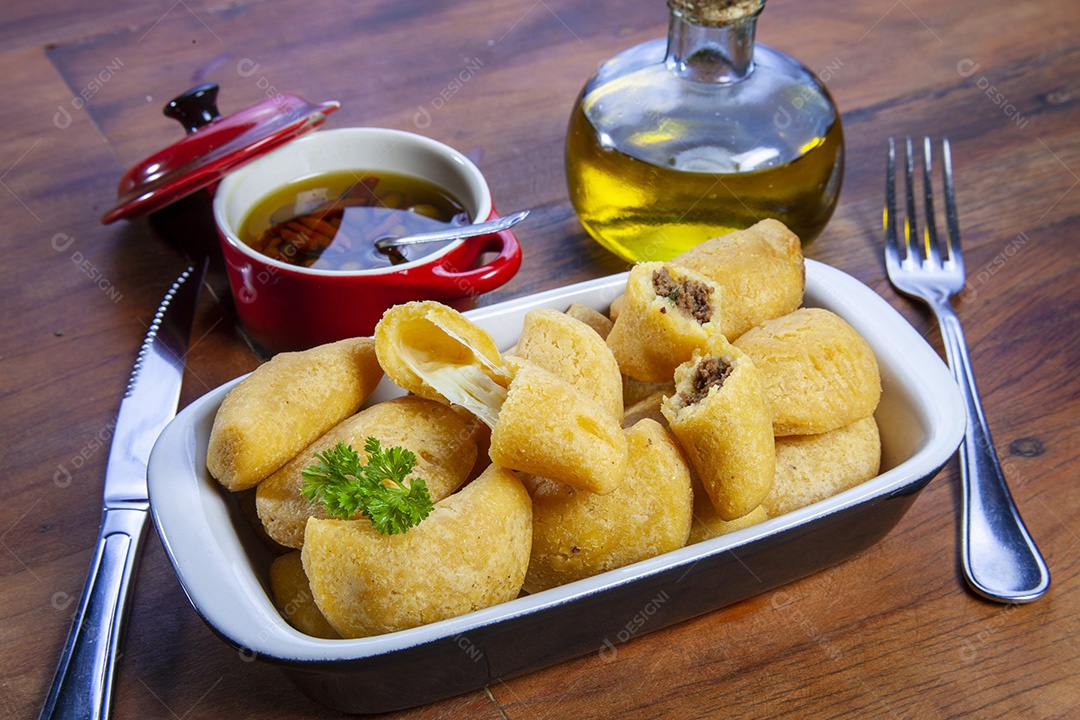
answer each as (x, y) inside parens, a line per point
(381, 489)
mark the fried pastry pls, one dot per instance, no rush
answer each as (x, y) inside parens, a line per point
(539, 422)
(439, 437)
(819, 373)
(595, 319)
(546, 427)
(708, 525)
(667, 312)
(471, 552)
(577, 534)
(434, 351)
(810, 468)
(721, 419)
(760, 271)
(292, 596)
(285, 404)
(572, 350)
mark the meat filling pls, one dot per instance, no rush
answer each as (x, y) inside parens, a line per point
(689, 296)
(710, 372)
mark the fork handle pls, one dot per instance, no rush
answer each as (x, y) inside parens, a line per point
(1001, 561)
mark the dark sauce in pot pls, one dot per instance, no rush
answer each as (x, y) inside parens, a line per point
(331, 221)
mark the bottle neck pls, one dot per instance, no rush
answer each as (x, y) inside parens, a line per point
(719, 55)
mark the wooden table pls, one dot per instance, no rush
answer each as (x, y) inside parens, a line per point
(891, 633)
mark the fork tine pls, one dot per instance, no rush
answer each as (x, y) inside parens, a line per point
(931, 249)
(911, 225)
(951, 222)
(892, 257)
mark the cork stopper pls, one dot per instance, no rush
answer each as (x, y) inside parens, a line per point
(716, 13)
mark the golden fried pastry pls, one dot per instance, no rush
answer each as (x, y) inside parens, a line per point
(438, 436)
(577, 534)
(572, 350)
(819, 373)
(434, 351)
(540, 423)
(595, 319)
(813, 467)
(471, 552)
(708, 525)
(276, 411)
(760, 270)
(547, 428)
(668, 312)
(292, 595)
(721, 419)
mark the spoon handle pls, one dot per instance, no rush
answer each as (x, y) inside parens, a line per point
(454, 233)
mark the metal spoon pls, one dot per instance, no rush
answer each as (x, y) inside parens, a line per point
(454, 233)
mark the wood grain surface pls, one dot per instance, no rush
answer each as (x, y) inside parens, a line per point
(892, 633)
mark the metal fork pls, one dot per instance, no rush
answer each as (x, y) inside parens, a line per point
(999, 557)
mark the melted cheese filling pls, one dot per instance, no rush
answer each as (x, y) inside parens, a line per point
(467, 385)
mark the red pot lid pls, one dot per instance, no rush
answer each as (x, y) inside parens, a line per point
(214, 146)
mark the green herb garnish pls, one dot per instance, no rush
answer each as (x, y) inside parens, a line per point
(382, 489)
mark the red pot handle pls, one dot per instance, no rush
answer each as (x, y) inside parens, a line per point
(455, 276)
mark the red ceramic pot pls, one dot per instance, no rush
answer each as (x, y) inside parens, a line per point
(242, 157)
(287, 307)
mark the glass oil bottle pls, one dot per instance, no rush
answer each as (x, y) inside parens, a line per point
(675, 141)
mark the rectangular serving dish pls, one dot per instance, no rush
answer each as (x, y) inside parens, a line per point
(223, 566)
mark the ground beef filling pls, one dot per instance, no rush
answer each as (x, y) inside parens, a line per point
(691, 297)
(710, 372)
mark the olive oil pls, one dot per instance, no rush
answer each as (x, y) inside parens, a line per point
(673, 143)
(644, 212)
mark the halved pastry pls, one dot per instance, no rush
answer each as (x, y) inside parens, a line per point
(721, 419)
(540, 423)
(708, 525)
(760, 270)
(667, 312)
(434, 351)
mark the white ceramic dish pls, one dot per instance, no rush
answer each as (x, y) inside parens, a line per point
(223, 566)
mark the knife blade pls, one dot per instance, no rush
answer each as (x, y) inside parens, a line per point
(86, 673)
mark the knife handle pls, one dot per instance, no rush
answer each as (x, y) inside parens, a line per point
(82, 687)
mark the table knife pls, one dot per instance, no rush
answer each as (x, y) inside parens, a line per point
(82, 687)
